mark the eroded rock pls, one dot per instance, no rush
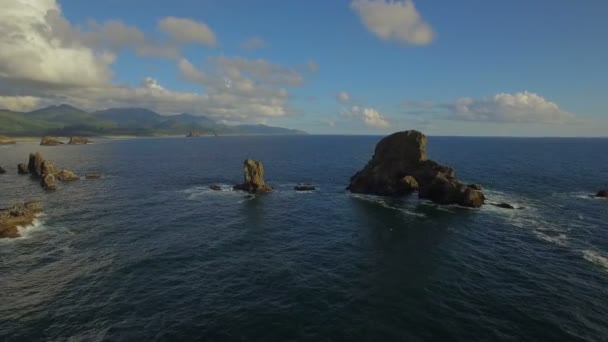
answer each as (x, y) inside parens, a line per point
(254, 178)
(400, 166)
(602, 193)
(22, 169)
(67, 176)
(79, 141)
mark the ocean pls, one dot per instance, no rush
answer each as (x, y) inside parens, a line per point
(149, 253)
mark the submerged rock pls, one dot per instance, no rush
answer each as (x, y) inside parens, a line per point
(67, 175)
(92, 176)
(602, 193)
(21, 214)
(254, 178)
(215, 187)
(2, 170)
(400, 166)
(50, 141)
(22, 169)
(504, 205)
(305, 187)
(79, 141)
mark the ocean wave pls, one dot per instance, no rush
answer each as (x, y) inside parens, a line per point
(382, 201)
(559, 239)
(596, 258)
(204, 190)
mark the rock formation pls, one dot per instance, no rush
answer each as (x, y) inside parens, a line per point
(39, 167)
(21, 214)
(400, 166)
(254, 178)
(602, 193)
(67, 176)
(92, 176)
(50, 141)
(78, 141)
(2, 170)
(215, 187)
(22, 169)
(6, 140)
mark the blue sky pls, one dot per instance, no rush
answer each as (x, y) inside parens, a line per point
(465, 67)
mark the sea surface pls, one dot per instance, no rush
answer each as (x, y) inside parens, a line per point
(149, 253)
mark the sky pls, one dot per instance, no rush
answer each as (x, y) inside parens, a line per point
(468, 67)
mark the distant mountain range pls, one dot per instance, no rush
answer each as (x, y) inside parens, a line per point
(65, 120)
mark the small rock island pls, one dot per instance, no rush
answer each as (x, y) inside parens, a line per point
(79, 141)
(6, 140)
(19, 215)
(254, 178)
(400, 166)
(50, 141)
(38, 167)
(602, 194)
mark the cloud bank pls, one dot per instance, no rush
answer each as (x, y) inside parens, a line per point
(369, 116)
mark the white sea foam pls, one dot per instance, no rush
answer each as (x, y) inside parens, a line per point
(382, 201)
(596, 257)
(36, 226)
(560, 239)
(203, 190)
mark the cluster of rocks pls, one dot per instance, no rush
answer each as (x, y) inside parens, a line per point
(400, 166)
(45, 170)
(52, 141)
(19, 215)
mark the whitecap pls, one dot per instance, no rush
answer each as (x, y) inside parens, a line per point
(596, 258)
(560, 239)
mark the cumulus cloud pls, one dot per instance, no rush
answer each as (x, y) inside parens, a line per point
(19, 103)
(253, 43)
(369, 116)
(394, 20)
(522, 107)
(29, 56)
(342, 97)
(187, 31)
(239, 88)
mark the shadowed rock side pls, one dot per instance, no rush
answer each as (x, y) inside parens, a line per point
(50, 141)
(602, 194)
(79, 141)
(254, 178)
(400, 166)
(22, 169)
(21, 214)
(2, 170)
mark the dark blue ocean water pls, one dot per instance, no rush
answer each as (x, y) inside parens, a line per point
(149, 253)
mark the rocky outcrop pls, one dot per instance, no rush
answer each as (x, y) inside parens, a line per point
(34, 165)
(400, 166)
(22, 169)
(254, 178)
(67, 176)
(79, 141)
(2, 170)
(49, 182)
(215, 187)
(19, 215)
(602, 193)
(194, 134)
(6, 140)
(92, 176)
(476, 186)
(50, 141)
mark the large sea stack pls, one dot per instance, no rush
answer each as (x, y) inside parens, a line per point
(254, 178)
(18, 215)
(39, 167)
(400, 166)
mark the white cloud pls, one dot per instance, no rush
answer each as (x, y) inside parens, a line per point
(19, 103)
(30, 56)
(187, 30)
(370, 116)
(342, 97)
(253, 43)
(523, 107)
(394, 20)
